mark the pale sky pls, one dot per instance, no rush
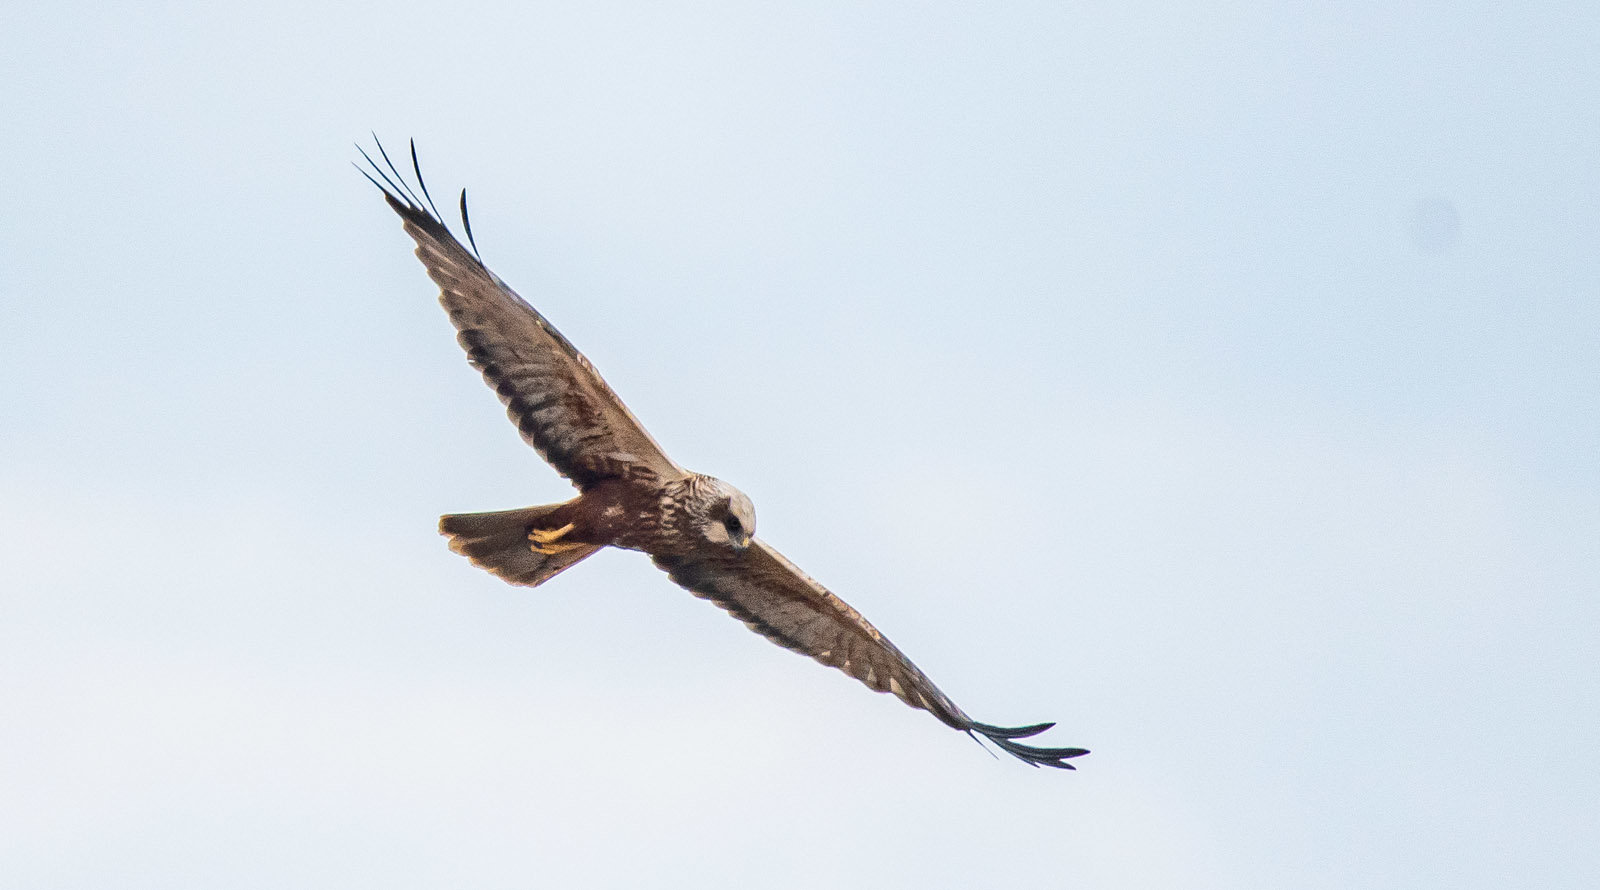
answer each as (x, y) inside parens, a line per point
(1221, 384)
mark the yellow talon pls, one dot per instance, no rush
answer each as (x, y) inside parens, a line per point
(549, 549)
(548, 541)
(548, 536)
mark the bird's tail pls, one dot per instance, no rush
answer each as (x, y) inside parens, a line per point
(499, 543)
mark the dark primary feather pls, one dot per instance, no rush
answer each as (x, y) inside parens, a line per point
(558, 401)
(466, 223)
(783, 604)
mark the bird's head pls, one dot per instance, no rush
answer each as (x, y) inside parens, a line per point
(726, 516)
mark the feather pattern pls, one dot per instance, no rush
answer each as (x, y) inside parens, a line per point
(774, 598)
(560, 404)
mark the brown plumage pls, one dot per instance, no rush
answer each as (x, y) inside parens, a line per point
(698, 529)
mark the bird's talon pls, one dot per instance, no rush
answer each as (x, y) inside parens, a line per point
(548, 541)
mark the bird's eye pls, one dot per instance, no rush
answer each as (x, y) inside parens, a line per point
(733, 523)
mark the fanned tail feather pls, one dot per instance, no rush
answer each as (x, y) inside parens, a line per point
(498, 543)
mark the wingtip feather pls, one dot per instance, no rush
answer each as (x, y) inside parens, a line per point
(1012, 732)
(1005, 738)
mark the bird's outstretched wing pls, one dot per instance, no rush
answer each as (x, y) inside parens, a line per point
(555, 397)
(783, 604)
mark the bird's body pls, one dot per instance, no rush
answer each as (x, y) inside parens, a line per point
(663, 518)
(698, 529)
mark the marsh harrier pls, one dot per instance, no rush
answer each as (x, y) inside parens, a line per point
(699, 530)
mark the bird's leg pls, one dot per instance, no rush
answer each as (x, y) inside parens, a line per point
(548, 541)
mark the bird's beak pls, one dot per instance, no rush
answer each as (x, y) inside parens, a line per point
(740, 543)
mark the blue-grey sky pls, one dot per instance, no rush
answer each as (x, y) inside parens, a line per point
(1219, 382)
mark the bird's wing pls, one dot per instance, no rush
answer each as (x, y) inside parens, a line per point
(555, 397)
(783, 604)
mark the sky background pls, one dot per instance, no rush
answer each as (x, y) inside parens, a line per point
(1219, 382)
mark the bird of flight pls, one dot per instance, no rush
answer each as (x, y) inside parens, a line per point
(699, 530)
